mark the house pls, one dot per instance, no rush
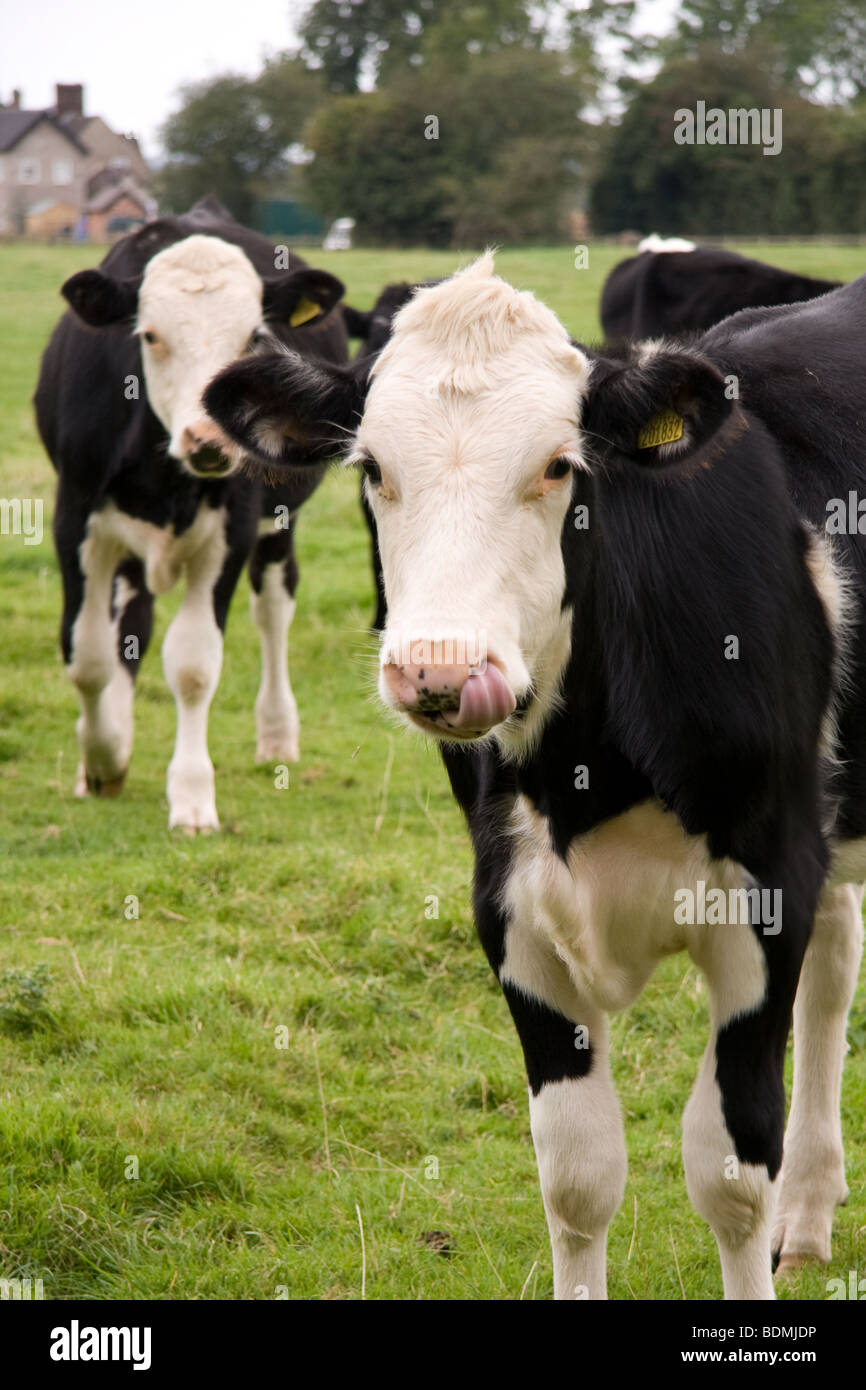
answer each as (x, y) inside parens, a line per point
(115, 208)
(58, 158)
(50, 220)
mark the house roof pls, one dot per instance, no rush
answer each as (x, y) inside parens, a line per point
(107, 197)
(14, 125)
(73, 122)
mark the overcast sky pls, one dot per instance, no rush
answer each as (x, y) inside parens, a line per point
(133, 57)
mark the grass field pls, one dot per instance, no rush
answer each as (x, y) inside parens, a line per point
(213, 1099)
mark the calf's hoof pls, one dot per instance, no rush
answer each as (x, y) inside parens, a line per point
(277, 749)
(90, 784)
(194, 821)
(191, 797)
(803, 1227)
(790, 1265)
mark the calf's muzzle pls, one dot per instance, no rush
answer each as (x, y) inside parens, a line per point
(468, 700)
(205, 448)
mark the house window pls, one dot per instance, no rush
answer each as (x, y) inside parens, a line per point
(29, 171)
(62, 171)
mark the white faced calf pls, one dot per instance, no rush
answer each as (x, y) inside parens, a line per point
(605, 605)
(149, 489)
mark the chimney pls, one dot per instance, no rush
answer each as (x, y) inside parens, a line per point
(70, 99)
(15, 103)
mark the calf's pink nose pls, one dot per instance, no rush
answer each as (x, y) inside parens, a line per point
(205, 434)
(457, 697)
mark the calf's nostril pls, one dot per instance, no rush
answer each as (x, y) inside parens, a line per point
(208, 459)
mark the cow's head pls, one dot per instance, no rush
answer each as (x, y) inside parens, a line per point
(199, 306)
(471, 430)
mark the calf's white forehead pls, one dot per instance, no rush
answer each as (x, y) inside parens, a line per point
(203, 299)
(475, 370)
(200, 282)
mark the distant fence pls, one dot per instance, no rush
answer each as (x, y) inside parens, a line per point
(289, 220)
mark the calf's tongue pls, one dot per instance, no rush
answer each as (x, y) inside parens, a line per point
(485, 700)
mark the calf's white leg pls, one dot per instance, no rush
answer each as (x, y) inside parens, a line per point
(578, 1136)
(277, 723)
(735, 1198)
(192, 660)
(734, 1121)
(813, 1171)
(575, 1117)
(105, 688)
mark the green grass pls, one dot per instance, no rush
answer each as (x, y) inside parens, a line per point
(148, 1045)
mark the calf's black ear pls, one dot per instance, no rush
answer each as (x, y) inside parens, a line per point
(655, 408)
(279, 406)
(100, 299)
(357, 321)
(301, 296)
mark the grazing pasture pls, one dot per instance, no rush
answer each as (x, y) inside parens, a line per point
(292, 1073)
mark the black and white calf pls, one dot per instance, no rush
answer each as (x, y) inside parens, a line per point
(670, 288)
(613, 601)
(147, 491)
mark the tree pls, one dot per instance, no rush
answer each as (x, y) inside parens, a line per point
(345, 37)
(487, 150)
(359, 42)
(648, 182)
(231, 135)
(813, 45)
(373, 163)
(289, 93)
(218, 142)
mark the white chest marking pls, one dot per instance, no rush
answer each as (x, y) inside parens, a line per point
(609, 911)
(163, 553)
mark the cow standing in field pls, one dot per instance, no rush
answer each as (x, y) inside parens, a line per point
(667, 290)
(147, 490)
(613, 601)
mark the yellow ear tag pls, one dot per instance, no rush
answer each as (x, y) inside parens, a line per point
(303, 311)
(664, 428)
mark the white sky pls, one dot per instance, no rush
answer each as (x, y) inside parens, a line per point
(133, 55)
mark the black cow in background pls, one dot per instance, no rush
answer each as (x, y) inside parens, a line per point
(148, 488)
(373, 326)
(674, 292)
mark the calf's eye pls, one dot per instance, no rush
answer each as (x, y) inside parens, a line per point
(372, 470)
(559, 468)
(149, 337)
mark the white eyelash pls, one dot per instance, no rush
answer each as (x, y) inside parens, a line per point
(576, 460)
